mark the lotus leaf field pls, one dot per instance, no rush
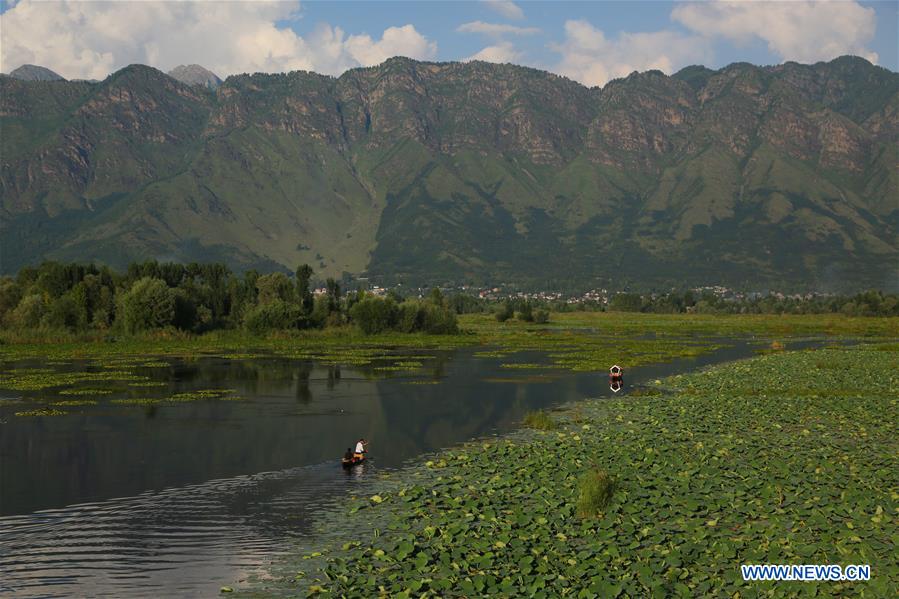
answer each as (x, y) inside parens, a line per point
(789, 457)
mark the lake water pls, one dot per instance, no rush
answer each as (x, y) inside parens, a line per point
(128, 501)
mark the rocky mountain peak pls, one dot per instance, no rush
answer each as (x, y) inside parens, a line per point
(194, 74)
(31, 72)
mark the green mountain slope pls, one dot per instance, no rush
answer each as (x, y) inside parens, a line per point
(474, 172)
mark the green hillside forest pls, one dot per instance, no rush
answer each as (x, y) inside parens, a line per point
(477, 173)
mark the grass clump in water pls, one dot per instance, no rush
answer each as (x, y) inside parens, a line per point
(539, 420)
(41, 412)
(595, 490)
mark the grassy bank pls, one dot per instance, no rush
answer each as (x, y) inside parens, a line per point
(785, 458)
(573, 338)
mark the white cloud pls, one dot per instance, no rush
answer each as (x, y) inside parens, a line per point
(508, 9)
(92, 39)
(590, 57)
(501, 53)
(805, 31)
(396, 41)
(495, 29)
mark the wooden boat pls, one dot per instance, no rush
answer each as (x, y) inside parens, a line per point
(352, 462)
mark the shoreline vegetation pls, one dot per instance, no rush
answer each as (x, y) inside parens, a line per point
(571, 329)
(788, 457)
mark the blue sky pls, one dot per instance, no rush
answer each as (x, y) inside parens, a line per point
(438, 20)
(591, 42)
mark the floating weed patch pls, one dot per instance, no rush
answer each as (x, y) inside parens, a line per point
(86, 392)
(24, 380)
(137, 401)
(491, 354)
(148, 384)
(539, 420)
(524, 366)
(595, 490)
(183, 397)
(429, 382)
(200, 395)
(154, 364)
(409, 364)
(75, 402)
(42, 412)
(529, 379)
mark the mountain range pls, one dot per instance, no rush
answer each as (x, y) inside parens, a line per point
(421, 172)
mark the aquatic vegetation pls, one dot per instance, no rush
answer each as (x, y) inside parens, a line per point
(721, 468)
(201, 395)
(595, 490)
(138, 401)
(38, 379)
(75, 402)
(524, 366)
(183, 397)
(149, 384)
(42, 412)
(85, 392)
(154, 364)
(539, 420)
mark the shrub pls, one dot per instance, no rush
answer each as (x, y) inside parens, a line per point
(426, 316)
(505, 313)
(374, 315)
(541, 316)
(438, 319)
(149, 304)
(276, 314)
(539, 420)
(595, 489)
(526, 314)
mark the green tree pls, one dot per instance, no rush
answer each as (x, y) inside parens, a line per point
(274, 286)
(374, 315)
(333, 289)
(64, 313)
(149, 304)
(626, 302)
(526, 313)
(275, 315)
(304, 293)
(30, 311)
(10, 296)
(506, 312)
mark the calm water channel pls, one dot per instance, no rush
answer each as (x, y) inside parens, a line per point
(177, 500)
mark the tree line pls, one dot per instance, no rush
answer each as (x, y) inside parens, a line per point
(867, 303)
(202, 297)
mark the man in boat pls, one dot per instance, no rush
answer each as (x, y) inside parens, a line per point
(348, 456)
(360, 449)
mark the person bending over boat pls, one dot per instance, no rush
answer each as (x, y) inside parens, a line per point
(348, 456)
(360, 449)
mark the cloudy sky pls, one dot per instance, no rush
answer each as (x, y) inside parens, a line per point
(590, 42)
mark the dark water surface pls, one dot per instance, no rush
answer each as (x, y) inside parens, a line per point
(177, 500)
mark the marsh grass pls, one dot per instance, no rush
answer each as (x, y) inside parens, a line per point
(539, 420)
(595, 490)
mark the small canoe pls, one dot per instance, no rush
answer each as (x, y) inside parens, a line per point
(350, 463)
